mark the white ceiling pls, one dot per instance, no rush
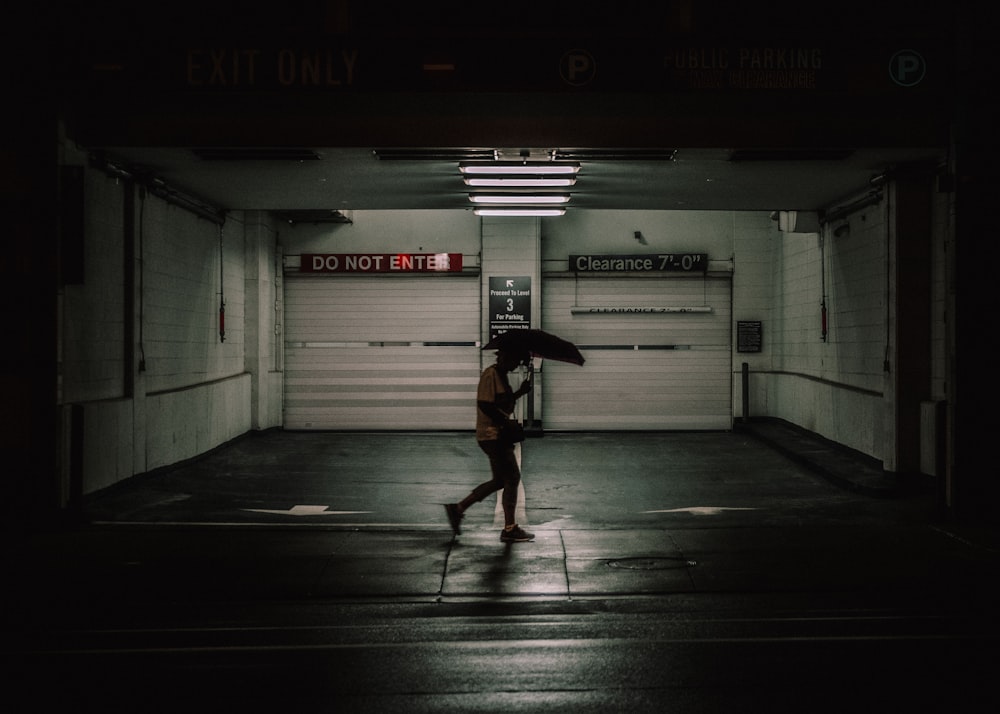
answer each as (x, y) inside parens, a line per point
(358, 179)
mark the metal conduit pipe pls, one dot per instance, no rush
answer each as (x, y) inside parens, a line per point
(870, 199)
(159, 188)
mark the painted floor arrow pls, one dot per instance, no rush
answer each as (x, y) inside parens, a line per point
(702, 510)
(305, 511)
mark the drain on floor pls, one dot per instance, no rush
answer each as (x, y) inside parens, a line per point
(663, 563)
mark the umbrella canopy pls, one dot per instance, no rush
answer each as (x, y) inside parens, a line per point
(539, 343)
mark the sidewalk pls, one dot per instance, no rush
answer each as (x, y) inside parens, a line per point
(102, 567)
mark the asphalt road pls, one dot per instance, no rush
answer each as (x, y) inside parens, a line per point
(717, 654)
(671, 572)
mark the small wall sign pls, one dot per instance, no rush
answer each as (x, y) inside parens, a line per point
(509, 304)
(749, 336)
(649, 263)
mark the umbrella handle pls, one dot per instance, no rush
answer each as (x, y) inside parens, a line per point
(529, 379)
(529, 406)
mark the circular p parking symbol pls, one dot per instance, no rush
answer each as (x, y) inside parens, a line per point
(907, 68)
(577, 67)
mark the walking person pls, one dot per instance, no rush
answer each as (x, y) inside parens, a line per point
(494, 405)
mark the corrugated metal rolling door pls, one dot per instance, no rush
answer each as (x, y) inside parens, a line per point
(394, 353)
(644, 371)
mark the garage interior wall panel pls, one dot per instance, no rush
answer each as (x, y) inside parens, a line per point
(380, 353)
(643, 371)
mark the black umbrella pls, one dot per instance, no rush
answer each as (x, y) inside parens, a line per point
(539, 343)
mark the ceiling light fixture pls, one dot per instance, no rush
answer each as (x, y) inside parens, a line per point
(521, 182)
(518, 168)
(514, 199)
(614, 154)
(537, 212)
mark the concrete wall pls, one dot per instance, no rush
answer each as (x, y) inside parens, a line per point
(93, 313)
(427, 231)
(580, 231)
(146, 377)
(184, 423)
(511, 247)
(142, 360)
(754, 250)
(840, 387)
(943, 226)
(263, 317)
(835, 386)
(832, 385)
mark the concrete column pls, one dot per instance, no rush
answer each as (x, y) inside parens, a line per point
(259, 318)
(134, 362)
(511, 247)
(908, 364)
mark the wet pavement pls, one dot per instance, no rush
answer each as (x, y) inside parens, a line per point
(320, 514)
(337, 545)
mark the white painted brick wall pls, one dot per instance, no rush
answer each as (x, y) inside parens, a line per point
(816, 381)
(776, 279)
(942, 218)
(511, 247)
(182, 286)
(260, 292)
(755, 240)
(856, 286)
(92, 354)
(194, 393)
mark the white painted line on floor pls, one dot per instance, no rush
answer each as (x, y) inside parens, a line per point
(701, 510)
(284, 524)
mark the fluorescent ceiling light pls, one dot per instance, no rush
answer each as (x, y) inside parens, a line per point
(516, 199)
(542, 212)
(518, 168)
(521, 182)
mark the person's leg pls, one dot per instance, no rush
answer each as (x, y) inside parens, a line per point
(456, 511)
(499, 471)
(506, 476)
(509, 473)
(505, 468)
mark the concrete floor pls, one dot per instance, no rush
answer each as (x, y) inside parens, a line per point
(696, 572)
(339, 514)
